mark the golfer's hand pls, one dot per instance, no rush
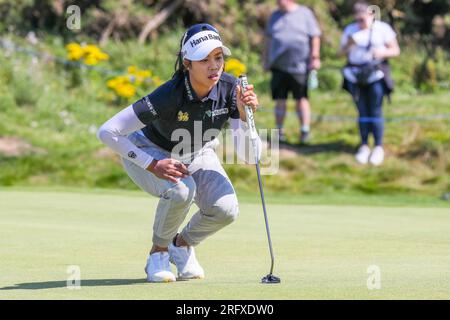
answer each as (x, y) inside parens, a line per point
(168, 169)
(249, 98)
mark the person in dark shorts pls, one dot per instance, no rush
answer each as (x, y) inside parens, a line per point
(292, 51)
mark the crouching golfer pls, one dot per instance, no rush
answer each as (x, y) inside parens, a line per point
(167, 141)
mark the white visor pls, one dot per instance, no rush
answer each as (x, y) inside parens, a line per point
(200, 45)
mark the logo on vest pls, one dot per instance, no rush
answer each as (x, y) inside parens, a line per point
(132, 155)
(214, 113)
(188, 89)
(150, 106)
(219, 112)
(183, 116)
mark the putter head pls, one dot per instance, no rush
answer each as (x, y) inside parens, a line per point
(270, 278)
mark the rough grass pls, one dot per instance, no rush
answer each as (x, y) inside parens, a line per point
(41, 105)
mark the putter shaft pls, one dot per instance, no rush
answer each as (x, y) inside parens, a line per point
(265, 216)
(253, 138)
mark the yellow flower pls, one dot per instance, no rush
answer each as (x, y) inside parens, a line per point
(102, 56)
(138, 76)
(132, 69)
(235, 67)
(74, 51)
(94, 55)
(144, 74)
(72, 46)
(125, 90)
(137, 81)
(91, 49)
(117, 81)
(122, 86)
(75, 55)
(157, 81)
(112, 83)
(126, 85)
(90, 61)
(91, 54)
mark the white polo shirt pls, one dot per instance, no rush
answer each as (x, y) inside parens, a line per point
(382, 34)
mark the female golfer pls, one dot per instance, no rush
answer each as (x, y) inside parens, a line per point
(167, 140)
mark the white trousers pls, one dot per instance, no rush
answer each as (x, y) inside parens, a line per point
(208, 186)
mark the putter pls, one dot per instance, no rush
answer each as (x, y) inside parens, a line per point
(270, 278)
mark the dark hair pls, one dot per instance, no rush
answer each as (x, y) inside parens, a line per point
(360, 7)
(179, 66)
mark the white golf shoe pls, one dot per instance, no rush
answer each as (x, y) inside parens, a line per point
(186, 262)
(158, 268)
(362, 156)
(377, 156)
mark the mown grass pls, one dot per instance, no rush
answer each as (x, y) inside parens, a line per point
(41, 104)
(322, 251)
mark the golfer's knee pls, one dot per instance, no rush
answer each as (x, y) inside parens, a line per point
(183, 192)
(225, 212)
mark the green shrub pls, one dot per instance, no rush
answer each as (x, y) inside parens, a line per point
(425, 77)
(7, 101)
(330, 79)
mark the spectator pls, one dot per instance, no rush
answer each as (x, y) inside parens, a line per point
(292, 50)
(368, 43)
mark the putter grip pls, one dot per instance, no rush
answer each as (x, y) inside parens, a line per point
(248, 110)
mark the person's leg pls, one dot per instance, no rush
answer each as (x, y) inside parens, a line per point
(303, 109)
(280, 114)
(175, 198)
(215, 198)
(298, 85)
(278, 87)
(218, 205)
(175, 201)
(173, 206)
(376, 94)
(360, 99)
(375, 103)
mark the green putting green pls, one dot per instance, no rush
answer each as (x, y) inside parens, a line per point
(322, 251)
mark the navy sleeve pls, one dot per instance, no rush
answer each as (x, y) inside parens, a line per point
(234, 111)
(268, 28)
(156, 105)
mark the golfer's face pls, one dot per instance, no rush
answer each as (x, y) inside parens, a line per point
(208, 70)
